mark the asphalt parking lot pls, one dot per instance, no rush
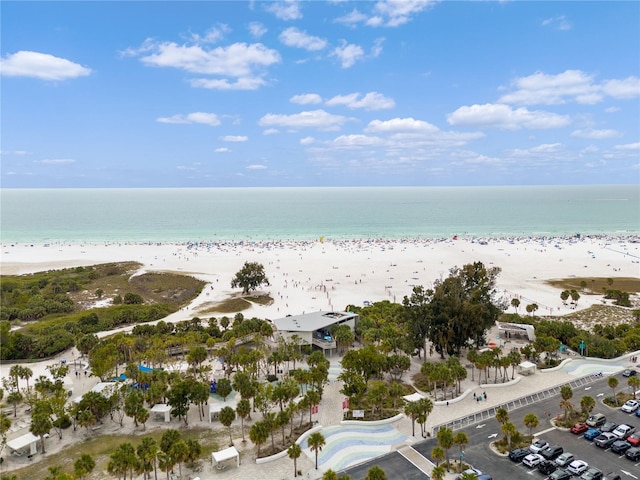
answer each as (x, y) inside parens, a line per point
(479, 454)
(395, 466)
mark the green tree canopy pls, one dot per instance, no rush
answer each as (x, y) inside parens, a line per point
(250, 277)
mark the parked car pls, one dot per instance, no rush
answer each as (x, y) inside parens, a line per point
(591, 474)
(612, 476)
(485, 476)
(638, 413)
(596, 420)
(565, 459)
(532, 460)
(633, 453)
(630, 406)
(623, 431)
(577, 467)
(620, 446)
(605, 439)
(518, 454)
(608, 427)
(551, 452)
(538, 445)
(560, 474)
(629, 372)
(634, 439)
(472, 471)
(547, 466)
(579, 428)
(592, 433)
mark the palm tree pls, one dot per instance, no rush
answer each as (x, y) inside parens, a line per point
(515, 303)
(509, 430)
(226, 416)
(425, 407)
(243, 409)
(634, 383)
(376, 473)
(411, 411)
(588, 403)
(567, 406)
(461, 440)
(294, 452)
(502, 415)
(316, 441)
(148, 452)
(613, 384)
(179, 452)
(445, 440)
(85, 464)
(437, 453)
(531, 421)
(473, 357)
(259, 433)
(438, 473)
(329, 475)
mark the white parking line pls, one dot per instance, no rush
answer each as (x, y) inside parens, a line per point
(544, 431)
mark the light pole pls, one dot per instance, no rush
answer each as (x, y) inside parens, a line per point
(582, 347)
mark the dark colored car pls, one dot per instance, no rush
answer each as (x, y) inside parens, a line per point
(620, 446)
(592, 433)
(629, 372)
(559, 474)
(518, 454)
(552, 452)
(608, 427)
(633, 453)
(612, 476)
(591, 474)
(547, 466)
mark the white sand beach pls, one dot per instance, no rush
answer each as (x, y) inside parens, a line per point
(329, 275)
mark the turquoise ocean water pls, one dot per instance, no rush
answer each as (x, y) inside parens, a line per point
(240, 214)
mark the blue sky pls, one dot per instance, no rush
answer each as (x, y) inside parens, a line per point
(339, 93)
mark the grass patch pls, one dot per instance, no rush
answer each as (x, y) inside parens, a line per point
(602, 314)
(234, 304)
(101, 447)
(595, 285)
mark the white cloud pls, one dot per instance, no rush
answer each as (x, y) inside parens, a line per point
(256, 167)
(628, 146)
(401, 125)
(41, 65)
(285, 10)
(505, 117)
(357, 141)
(306, 99)
(307, 140)
(559, 22)
(234, 138)
(292, 37)
(347, 53)
(14, 152)
(57, 161)
(370, 101)
(271, 131)
(571, 85)
(243, 62)
(393, 13)
(376, 50)
(627, 88)
(312, 119)
(222, 150)
(213, 35)
(257, 29)
(595, 134)
(203, 118)
(352, 18)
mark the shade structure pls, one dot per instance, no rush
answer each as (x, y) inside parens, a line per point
(163, 409)
(414, 397)
(526, 368)
(226, 454)
(26, 440)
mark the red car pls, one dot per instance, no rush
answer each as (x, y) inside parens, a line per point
(579, 428)
(634, 439)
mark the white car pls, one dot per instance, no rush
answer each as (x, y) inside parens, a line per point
(630, 406)
(577, 467)
(472, 471)
(538, 445)
(532, 460)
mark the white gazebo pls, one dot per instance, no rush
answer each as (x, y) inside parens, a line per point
(414, 397)
(526, 368)
(226, 454)
(23, 441)
(164, 409)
